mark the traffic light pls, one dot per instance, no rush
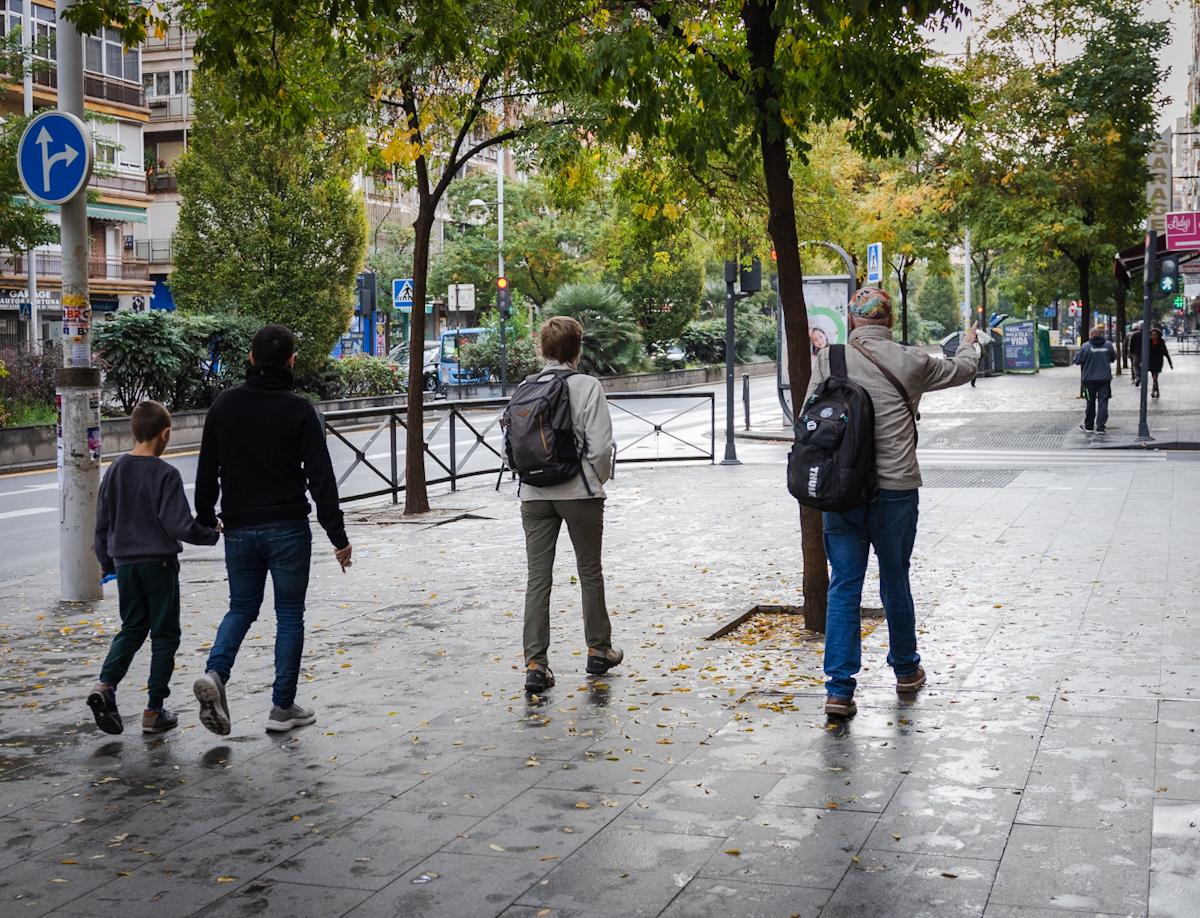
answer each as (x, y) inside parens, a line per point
(1168, 275)
(504, 297)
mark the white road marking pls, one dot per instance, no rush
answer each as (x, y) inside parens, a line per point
(30, 511)
(30, 489)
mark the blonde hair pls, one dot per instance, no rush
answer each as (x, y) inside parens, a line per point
(562, 339)
(1100, 329)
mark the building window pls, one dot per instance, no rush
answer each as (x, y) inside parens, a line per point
(45, 34)
(105, 55)
(181, 82)
(106, 151)
(10, 23)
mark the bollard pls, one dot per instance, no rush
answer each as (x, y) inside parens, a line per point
(746, 397)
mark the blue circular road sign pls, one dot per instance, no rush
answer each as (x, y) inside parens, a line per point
(54, 157)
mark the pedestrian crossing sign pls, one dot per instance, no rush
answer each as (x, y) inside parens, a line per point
(402, 292)
(875, 263)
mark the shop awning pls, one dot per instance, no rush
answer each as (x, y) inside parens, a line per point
(119, 213)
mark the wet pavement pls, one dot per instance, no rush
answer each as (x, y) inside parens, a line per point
(1051, 767)
(1043, 411)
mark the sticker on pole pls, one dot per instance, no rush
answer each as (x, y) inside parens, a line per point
(875, 263)
(54, 157)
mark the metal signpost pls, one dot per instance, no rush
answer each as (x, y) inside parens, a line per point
(54, 162)
(739, 284)
(1147, 317)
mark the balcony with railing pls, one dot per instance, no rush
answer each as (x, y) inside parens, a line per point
(171, 108)
(135, 184)
(162, 183)
(49, 265)
(97, 87)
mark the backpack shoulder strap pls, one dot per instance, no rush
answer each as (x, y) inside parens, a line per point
(837, 361)
(896, 384)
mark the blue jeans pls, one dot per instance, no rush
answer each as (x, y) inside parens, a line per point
(284, 552)
(889, 524)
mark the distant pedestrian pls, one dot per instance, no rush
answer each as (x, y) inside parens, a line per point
(1134, 350)
(895, 377)
(141, 517)
(1158, 353)
(262, 445)
(579, 460)
(1093, 360)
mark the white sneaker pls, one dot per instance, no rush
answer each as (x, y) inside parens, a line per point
(283, 719)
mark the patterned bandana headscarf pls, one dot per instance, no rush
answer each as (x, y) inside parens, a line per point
(871, 303)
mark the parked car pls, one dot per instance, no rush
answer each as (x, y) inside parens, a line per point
(429, 375)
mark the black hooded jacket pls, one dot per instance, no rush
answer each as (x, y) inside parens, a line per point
(1094, 358)
(262, 445)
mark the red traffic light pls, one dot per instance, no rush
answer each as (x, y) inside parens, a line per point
(501, 282)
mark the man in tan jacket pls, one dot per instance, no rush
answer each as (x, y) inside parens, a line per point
(895, 377)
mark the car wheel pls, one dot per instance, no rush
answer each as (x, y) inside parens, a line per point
(431, 383)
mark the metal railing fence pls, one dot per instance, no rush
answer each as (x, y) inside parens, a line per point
(464, 429)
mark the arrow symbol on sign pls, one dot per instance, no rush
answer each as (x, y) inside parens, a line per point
(67, 156)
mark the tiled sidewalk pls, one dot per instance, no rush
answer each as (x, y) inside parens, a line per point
(1050, 768)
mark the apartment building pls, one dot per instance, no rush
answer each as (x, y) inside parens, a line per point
(117, 113)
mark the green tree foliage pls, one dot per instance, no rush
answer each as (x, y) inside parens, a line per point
(22, 223)
(271, 226)
(612, 344)
(142, 354)
(1068, 123)
(544, 246)
(938, 305)
(651, 254)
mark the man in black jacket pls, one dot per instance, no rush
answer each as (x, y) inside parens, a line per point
(1093, 360)
(263, 444)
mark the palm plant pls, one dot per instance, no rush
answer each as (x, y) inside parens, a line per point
(612, 342)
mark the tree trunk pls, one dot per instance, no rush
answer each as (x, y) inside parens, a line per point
(761, 38)
(902, 282)
(416, 495)
(1084, 264)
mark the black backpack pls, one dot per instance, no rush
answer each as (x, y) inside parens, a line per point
(539, 437)
(832, 463)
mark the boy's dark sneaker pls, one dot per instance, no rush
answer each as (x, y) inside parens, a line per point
(103, 702)
(600, 663)
(840, 707)
(158, 720)
(912, 682)
(209, 690)
(538, 679)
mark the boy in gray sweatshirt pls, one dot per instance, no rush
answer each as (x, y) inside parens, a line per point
(141, 517)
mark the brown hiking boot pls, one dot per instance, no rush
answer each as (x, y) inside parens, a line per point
(840, 707)
(912, 682)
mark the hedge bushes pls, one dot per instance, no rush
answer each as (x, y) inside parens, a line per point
(185, 361)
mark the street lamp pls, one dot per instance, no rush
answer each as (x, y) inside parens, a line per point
(477, 214)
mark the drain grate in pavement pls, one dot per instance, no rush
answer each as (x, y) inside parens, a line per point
(968, 478)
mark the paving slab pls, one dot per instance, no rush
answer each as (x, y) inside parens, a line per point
(1052, 764)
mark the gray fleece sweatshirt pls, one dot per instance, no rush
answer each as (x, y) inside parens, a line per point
(143, 513)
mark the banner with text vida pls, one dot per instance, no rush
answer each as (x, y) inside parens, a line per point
(1020, 350)
(1183, 231)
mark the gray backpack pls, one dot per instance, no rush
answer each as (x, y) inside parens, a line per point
(539, 437)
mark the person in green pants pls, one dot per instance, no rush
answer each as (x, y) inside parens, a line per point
(141, 517)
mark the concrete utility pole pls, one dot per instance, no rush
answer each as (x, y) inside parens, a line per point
(31, 251)
(78, 382)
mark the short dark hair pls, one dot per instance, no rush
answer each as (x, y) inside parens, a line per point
(562, 339)
(273, 345)
(148, 420)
